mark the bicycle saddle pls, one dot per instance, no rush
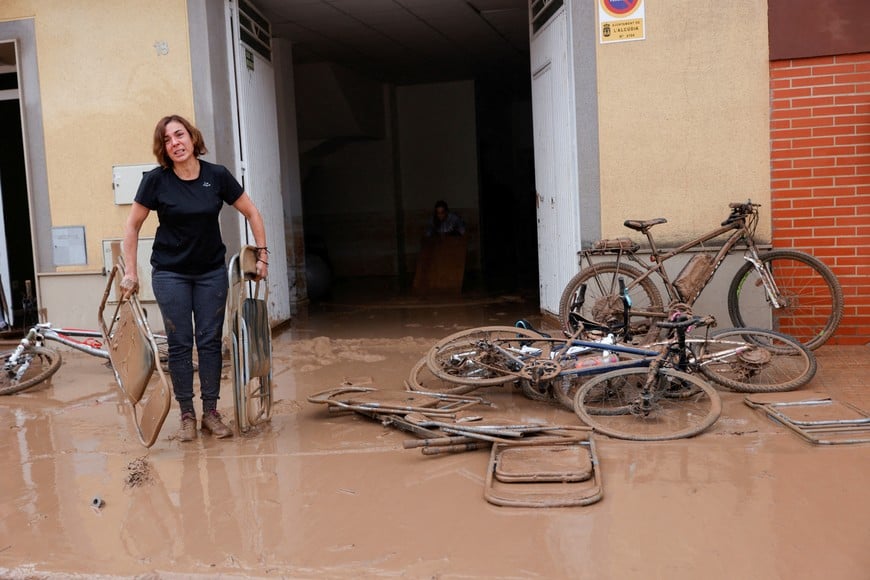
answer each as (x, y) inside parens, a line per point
(643, 225)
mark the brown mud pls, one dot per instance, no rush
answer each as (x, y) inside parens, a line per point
(314, 495)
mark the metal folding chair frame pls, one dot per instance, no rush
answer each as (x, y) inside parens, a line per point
(250, 338)
(854, 428)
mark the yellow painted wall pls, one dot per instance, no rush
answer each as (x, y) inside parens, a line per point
(684, 118)
(104, 85)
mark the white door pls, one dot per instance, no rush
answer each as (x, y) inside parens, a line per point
(5, 313)
(256, 103)
(555, 159)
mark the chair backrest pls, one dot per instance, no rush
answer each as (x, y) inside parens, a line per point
(131, 354)
(256, 317)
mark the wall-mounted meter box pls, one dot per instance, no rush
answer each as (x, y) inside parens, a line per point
(125, 181)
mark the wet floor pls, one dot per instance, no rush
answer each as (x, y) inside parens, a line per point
(316, 495)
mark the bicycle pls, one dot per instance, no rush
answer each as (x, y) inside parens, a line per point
(742, 359)
(538, 361)
(801, 293)
(31, 362)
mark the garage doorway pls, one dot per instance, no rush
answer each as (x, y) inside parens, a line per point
(16, 244)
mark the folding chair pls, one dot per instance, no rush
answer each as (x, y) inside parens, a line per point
(550, 474)
(815, 416)
(133, 354)
(250, 336)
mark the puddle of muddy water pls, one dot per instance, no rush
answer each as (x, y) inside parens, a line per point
(314, 495)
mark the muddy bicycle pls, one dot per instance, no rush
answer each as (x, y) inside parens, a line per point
(31, 361)
(740, 359)
(537, 363)
(794, 292)
(650, 393)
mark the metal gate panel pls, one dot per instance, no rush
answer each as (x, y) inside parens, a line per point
(555, 154)
(261, 163)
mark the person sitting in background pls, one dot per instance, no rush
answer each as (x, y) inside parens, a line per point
(444, 222)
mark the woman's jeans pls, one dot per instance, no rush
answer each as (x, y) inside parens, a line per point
(191, 303)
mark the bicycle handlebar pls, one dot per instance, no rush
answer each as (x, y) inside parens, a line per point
(739, 210)
(745, 206)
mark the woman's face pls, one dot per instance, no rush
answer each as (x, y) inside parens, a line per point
(177, 142)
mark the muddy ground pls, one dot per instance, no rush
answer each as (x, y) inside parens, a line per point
(313, 495)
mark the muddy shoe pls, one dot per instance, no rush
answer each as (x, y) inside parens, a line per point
(212, 422)
(187, 432)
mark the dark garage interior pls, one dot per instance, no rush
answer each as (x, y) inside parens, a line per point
(401, 103)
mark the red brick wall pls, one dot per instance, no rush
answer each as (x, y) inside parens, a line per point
(820, 172)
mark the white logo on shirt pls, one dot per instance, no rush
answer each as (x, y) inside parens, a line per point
(206, 184)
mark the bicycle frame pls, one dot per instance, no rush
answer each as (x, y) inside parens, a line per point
(93, 345)
(674, 352)
(739, 231)
(645, 356)
(38, 334)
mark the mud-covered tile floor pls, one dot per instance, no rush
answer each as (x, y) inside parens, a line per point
(312, 495)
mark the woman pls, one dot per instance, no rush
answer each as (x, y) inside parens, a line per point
(189, 275)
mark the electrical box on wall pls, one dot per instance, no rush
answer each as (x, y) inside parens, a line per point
(125, 181)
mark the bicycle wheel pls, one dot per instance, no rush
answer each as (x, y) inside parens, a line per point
(476, 356)
(812, 297)
(751, 360)
(422, 379)
(680, 405)
(593, 296)
(36, 364)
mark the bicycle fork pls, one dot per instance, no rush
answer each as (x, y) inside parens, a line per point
(12, 366)
(643, 405)
(766, 279)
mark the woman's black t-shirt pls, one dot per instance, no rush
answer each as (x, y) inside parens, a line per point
(188, 239)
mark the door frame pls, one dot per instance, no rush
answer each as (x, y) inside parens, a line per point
(22, 33)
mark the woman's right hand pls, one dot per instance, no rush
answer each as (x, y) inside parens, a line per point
(129, 286)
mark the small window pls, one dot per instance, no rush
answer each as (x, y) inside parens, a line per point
(255, 30)
(542, 11)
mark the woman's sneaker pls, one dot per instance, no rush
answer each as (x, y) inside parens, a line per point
(187, 432)
(212, 422)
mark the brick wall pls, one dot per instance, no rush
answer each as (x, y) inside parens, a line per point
(820, 172)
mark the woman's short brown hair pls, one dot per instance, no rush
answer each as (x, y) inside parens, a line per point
(160, 153)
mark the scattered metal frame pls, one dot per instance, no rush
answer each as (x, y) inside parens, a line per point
(816, 417)
(531, 464)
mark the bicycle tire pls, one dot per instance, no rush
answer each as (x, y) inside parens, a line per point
(603, 305)
(671, 417)
(813, 295)
(536, 392)
(42, 362)
(453, 357)
(768, 361)
(422, 379)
